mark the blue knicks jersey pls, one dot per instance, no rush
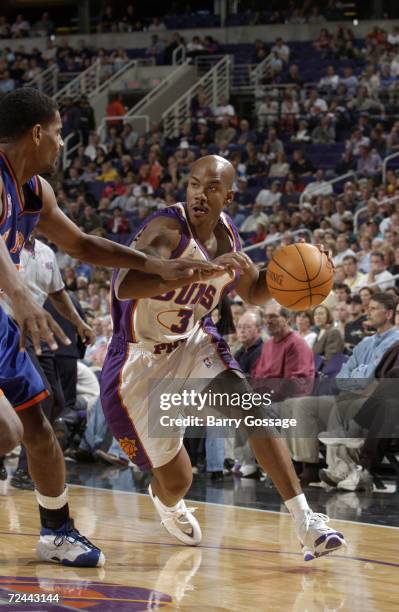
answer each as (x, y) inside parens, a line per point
(20, 210)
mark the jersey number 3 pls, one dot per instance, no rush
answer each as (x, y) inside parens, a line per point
(185, 315)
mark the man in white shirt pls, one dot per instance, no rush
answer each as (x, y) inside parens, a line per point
(353, 278)
(319, 187)
(250, 224)
(268, 197)
(343, 249)
(282, 50)
(379, 273)
(224, 109)
(43, 278)
(331, 80)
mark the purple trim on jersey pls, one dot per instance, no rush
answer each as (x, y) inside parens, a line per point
(221, 345)
(234, 230)
(114, 409)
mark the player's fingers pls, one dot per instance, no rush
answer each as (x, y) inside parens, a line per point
(57, 331)
(35, 335)
(22, 338)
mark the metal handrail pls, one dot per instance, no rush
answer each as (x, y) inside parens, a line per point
(116, 75)
(385, 164)
(46, 81)
(337, 179)
(394, 277)
(272, 240)
(135, 111)
(67, 152)
(180, 51)
(80, 82)
(214, 81)
(125, 119)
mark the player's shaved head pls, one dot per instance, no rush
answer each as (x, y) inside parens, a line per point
(217, 166)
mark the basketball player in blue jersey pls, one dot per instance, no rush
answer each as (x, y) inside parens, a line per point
(163, 332)
(30, 143)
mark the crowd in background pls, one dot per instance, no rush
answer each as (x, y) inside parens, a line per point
(285, 153)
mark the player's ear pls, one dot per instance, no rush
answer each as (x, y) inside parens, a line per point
(229, 197)
(37, 134)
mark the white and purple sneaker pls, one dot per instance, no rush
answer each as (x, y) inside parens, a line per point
(68, 547)
(316, 537)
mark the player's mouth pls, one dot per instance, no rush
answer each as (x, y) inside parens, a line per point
(199, 210)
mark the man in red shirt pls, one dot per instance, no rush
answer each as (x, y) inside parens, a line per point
(285, 356)
(287, 362)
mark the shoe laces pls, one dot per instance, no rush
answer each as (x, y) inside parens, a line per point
(71, 534)
(314, 519)
(180, 514)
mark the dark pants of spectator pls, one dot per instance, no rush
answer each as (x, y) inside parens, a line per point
(68, 369)
(54, 404)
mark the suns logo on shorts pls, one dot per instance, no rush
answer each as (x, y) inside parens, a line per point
(208, 362)
(128, 446)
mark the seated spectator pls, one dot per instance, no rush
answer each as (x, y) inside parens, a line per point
(300, 165)
(20, 28)
(89, 220)
(267, 112)
(354, 279)
(289, 112)
(225, 132)
(341, 317)
(319, 187)
(156, 25)
(324, 133)
(354, 330)
(234, 212)
(195, 47)
(244, 134)
(256, 217)
(282, 50)
(275, 144)
(302, 134)
(379, 273)
(5, 28)
(369, 162)
(268, 197)
(329, 341)
(43, 26)
(350, 81)
(293, 77)
(330, 81)
(356, 375)
(343, 249)
(304, 322)
(249, 336)
(285, 357)
(118, 224)
(156, 47)
(224, 109)
(279, 167)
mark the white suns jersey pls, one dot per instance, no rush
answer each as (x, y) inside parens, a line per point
(164, 321)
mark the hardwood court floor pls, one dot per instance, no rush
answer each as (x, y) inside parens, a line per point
(249, 561)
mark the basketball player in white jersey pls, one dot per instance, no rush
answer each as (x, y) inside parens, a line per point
(162, 330)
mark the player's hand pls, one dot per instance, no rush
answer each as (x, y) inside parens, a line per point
(86, 333)
(33, 320)
(172, 269)
(234, 261)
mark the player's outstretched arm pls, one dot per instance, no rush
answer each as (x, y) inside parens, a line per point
(252, 287)
(96, 250)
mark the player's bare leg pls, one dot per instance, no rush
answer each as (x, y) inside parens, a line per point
(11, 430)
(59, 541)
(169, 485)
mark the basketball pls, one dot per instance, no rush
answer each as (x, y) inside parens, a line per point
(299, 276)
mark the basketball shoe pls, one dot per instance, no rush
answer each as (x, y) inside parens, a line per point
(178, 521)
(316, 537)
(68, 547)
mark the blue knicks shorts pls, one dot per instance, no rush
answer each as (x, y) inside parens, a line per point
(20, 382)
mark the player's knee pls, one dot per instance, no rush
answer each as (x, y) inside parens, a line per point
(38, 433)
(11, 436)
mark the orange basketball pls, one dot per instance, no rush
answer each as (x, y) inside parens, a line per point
(299, 276)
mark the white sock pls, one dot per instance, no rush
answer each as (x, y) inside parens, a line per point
(297, 506)
(52, 503)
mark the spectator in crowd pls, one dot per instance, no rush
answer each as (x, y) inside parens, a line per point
(304, 323)
(379, 273)
(341, 317)
(343, 249)
(329, 341)
(269, 197)
(354, 330)
(354, 279)
(355, 376)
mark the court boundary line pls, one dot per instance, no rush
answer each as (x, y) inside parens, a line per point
(195, 501)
